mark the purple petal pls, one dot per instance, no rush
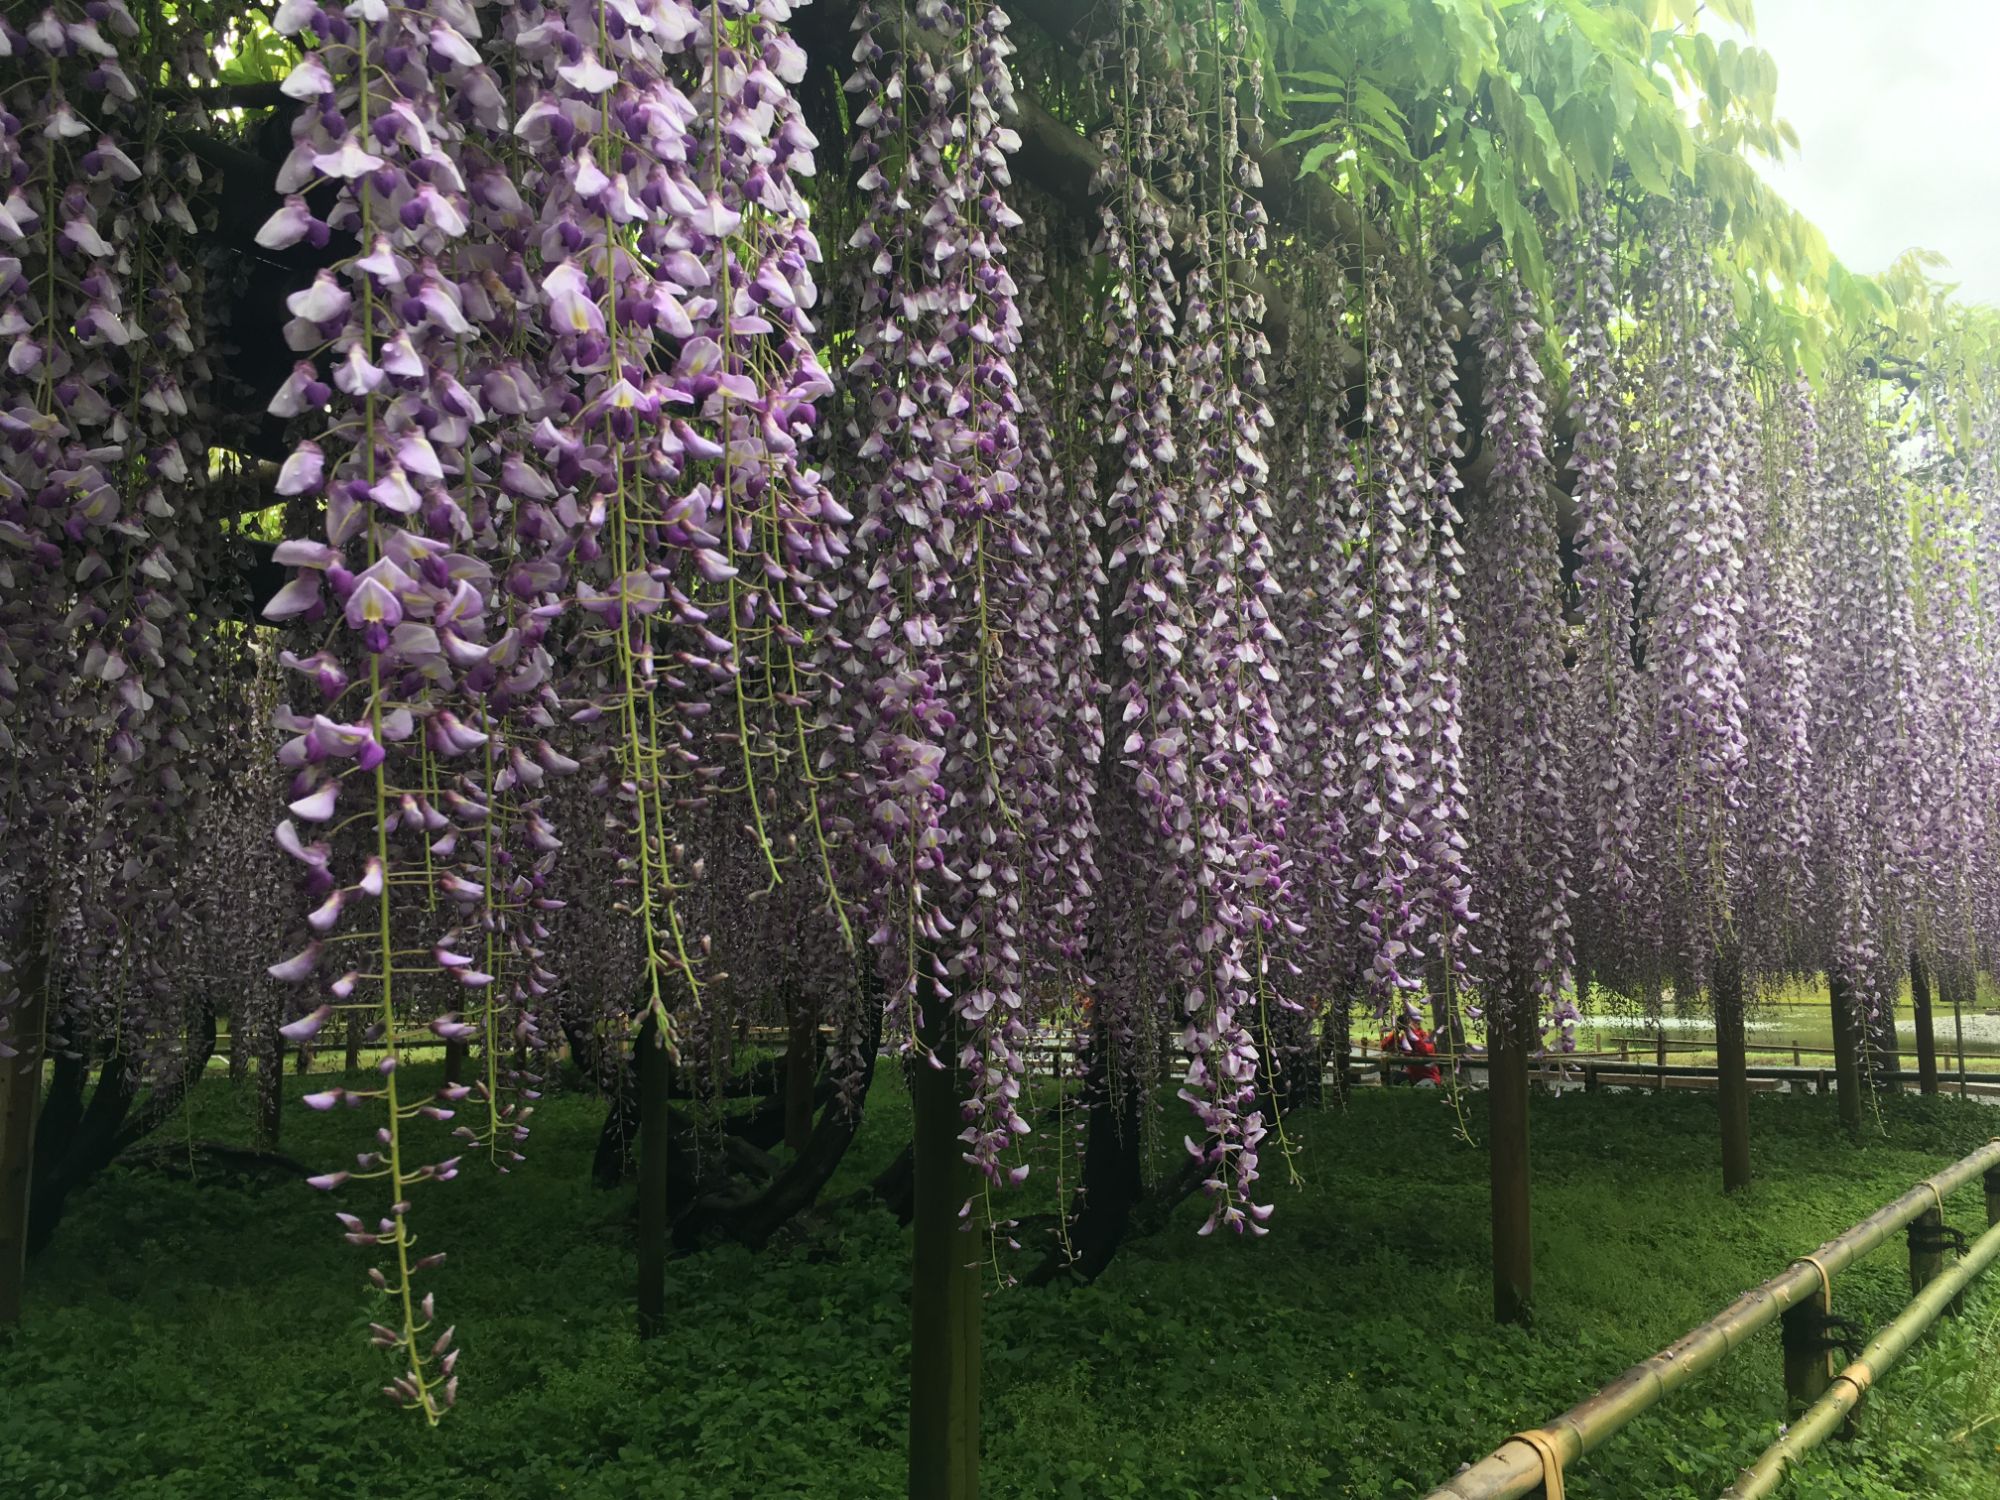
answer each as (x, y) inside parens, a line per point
(307, 1026)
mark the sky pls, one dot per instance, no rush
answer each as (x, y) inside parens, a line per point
(1897, 106)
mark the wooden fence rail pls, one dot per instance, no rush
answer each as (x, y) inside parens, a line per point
(1620, 1069)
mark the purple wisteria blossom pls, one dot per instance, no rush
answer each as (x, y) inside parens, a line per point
(1514, 710)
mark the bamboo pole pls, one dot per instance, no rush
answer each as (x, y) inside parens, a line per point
(1848, 1387)
(1515, 1468)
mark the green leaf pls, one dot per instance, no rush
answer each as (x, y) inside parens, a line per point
(1319, 154)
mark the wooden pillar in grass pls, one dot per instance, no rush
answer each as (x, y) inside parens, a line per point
(1920, 1011)
(1955, 979)
(801, 1066)
(1732, 1076)
(20, 1103)
(1507, 1161)
(654, 1070)
(1846, 1050)
(944, 1276)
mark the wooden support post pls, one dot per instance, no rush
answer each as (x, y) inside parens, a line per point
(455, 1056)
(1336, 1031)
(944, 1278)
(801, 1067)
(1920, 1010)
(1798, 1060)
(1926, 1252)
(351, 1063)
(1808, 1362)
(1846, 1052)
(1507, 1152)
(655, 1081)
(1660, 1057)
(1992, 1196)
(1732, 1078)
(1590, 1078)
(1951, 977)
(20, 1104)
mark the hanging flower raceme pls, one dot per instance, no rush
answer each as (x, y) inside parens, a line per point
(1232, 747)
(1138, 397)
(1385, 637)
(1871, 738)
(1320, 677)
(103, 534)
(753, 370)
(1608, 721)
(401, 587)
(72, 534)
(1779, 476)
(1438, 801)
(1194, 808)
(1514, 714)
(939, 545)
(1694, 649)
(1955, 566)
(613, 267)
(1051, 656)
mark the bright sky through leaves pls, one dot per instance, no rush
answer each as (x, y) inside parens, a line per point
(1897, 107)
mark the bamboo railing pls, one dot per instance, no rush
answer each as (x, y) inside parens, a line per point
(1826, 1414)
(1521, 1464)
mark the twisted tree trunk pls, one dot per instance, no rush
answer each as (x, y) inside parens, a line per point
(75, 1140)
(753, 1217)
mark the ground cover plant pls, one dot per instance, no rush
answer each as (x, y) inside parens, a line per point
(191, 1342)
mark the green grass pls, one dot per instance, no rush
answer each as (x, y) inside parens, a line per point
(200, 1341)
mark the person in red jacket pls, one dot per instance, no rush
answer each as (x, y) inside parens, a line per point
(1410, 1039)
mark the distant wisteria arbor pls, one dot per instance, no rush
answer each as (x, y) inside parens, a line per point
(743, 516)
